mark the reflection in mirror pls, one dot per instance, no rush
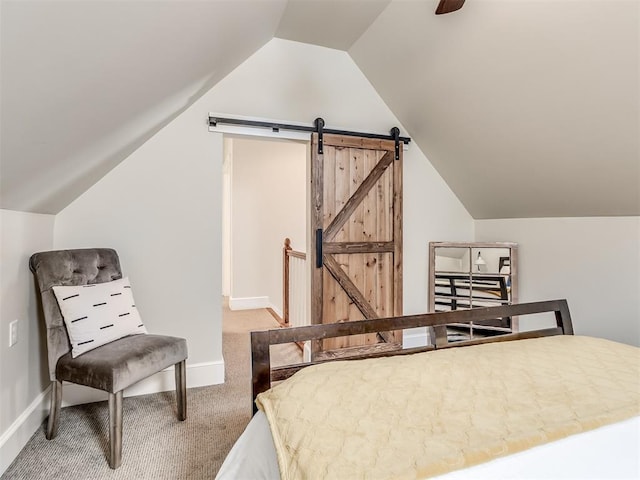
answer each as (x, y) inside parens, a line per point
(473, 275)
(452, 260)
(487, 260)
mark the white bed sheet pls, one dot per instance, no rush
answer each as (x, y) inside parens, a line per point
(610, 452)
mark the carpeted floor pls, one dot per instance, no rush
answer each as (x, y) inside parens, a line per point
(155, 444)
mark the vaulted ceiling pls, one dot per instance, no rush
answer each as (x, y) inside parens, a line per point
(525, 107)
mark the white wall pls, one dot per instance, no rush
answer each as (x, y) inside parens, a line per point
(161, 210)
(23, 368)
(268, 204)
(592, 262)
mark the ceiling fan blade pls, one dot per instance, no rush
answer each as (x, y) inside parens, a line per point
(448, 6)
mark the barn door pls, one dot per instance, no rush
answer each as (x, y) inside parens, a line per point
(356, 221)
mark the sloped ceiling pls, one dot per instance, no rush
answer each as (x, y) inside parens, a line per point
(329, 23)
(526, 107)
(86, 83)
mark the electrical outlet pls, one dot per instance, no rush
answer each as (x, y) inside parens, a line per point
(13, 333)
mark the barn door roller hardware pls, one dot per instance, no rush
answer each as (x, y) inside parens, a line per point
(395, 132)
(319, 122)
(318, 127)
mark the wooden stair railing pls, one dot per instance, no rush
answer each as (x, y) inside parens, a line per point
(287, 254)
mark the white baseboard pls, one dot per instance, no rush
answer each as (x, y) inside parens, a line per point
(19, 433)
(252, 303)
(248, 303)
(413, 338)
(198, 375)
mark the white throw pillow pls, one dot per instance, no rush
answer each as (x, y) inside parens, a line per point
(97, 314)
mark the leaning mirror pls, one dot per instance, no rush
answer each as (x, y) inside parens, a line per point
(472, 275)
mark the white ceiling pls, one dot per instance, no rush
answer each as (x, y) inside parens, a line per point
(329, 23)
(84, 84)
(526, 107)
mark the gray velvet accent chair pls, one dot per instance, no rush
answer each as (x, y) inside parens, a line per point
(111, 367)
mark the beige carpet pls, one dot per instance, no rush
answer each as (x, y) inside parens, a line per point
(155, 444)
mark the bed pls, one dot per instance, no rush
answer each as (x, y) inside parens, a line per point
(537, 404)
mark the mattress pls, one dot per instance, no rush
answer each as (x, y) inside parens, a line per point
(609, 452)
(552, 407)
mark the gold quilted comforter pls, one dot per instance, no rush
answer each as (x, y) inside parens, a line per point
(417, 416)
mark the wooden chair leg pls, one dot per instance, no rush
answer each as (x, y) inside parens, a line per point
(181, 389)
(54, 409)
(115, 429)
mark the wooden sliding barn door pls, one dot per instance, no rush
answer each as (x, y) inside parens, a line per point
(356, 221)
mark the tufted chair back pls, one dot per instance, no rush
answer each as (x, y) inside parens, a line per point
(68, 267)
(111, 367)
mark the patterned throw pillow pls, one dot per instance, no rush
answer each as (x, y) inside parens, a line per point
(97, 314)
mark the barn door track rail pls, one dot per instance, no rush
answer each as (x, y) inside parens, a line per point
(318, 127)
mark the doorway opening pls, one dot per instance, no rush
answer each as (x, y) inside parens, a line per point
(264, 203)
